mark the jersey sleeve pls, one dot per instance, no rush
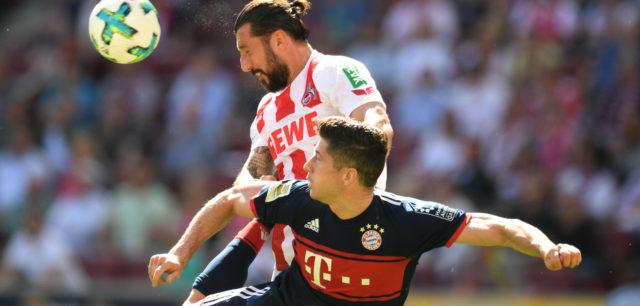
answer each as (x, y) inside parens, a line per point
(256, 126)
(279, 202)
(256, 138)
(349, 83)
(439, 225)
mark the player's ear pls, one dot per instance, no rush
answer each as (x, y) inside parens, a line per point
(278, 39)
(349, 176)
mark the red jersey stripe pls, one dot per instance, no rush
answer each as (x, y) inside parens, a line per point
(284, 105)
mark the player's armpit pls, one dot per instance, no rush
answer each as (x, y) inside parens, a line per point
(258, 164)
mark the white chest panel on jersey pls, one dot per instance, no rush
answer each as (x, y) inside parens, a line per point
(285, 121)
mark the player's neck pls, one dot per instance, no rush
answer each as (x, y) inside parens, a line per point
(298, 58)
(352, 203)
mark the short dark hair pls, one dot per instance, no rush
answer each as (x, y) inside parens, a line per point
(267, 16)
(356, 145)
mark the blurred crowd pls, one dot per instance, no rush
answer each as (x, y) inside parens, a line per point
(526, 109)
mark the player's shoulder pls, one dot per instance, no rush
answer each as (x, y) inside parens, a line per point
(286, 188)
(325, 63)
(413, 206)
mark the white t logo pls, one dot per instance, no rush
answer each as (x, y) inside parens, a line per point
(317, 267)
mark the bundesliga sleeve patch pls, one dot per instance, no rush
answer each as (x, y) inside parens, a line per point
(278, 190)
(353, 75)
(434, 209)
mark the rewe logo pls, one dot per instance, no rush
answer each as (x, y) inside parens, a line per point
(293, 132)
(313, 225)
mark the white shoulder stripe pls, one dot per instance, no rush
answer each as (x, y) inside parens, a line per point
(388, 197)
(244, 293)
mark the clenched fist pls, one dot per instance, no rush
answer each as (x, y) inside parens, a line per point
(562, 256)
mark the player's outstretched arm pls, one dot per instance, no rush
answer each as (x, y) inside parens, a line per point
(211, 218)
(490, 230)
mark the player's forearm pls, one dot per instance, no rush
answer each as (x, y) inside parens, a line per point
(526, 238)
(211, 218)
(377, 117)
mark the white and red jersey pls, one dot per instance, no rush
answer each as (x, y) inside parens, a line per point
(285, 121)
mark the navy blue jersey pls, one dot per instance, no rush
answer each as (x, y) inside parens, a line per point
(370, 258)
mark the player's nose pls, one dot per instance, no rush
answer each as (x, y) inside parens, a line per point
(307, 165)
(245, 63)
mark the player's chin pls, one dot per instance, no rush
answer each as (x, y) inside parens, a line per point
(311, 193)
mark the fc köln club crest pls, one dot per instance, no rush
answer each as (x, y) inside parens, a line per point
(309, 96)
(371, 236)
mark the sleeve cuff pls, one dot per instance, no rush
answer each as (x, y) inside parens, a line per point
(455, 235)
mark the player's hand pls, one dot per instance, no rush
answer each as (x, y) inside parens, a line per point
(160, 264)
(562, 256)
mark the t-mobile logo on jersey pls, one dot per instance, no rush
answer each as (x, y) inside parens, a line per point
(316, 268)
(318, 274)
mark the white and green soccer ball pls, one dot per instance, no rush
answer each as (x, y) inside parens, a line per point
(124, 31)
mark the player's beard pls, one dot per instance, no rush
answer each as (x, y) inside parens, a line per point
(277, 77)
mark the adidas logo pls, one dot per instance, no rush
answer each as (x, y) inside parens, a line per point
(313, 225)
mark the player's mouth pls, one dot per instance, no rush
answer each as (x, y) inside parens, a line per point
(257, 72)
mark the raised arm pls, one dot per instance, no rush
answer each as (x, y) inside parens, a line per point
(490, 230)
(375, 114)
(258, 164)
(211, 218)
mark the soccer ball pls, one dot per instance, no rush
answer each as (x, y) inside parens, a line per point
(124, 31)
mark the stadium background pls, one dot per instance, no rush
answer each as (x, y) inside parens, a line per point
(527, 109)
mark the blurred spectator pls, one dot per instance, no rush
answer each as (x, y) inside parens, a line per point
(440, 154)
(199, 104)
(23, 170)
(40, 257)
(479, 96)
(80, 209)
(406, 18)
(417, 111)
(589, 179)
(143, 217)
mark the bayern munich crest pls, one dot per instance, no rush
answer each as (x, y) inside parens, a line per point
(372, 237)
